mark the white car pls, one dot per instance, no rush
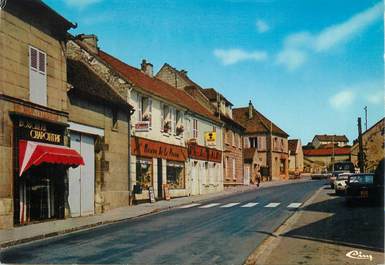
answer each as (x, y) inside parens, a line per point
(340, 182)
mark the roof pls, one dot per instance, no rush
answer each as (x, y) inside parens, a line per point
(257, 124)
(331, 138)
(154, 86)
(248, 153)
(89, 84)
(327, 151)
(212, 95)
(293, 145)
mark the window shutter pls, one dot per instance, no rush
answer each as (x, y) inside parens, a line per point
(139, 108)
(150, 111)
(42, 63)
(37, 76)
(174, 120)
(161, 116)
(33, 58)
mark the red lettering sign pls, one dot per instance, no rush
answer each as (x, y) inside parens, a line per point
(149, 148)
(204, 153)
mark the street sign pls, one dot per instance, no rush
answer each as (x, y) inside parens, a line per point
(142, 126)
(211, 138)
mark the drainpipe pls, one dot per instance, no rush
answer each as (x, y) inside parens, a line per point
(130, 112)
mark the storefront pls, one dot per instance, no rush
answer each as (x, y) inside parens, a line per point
(205, 167)
(156, 164)
(40, 168)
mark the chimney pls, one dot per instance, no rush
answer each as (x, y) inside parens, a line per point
(90, 40)
(183, 72)
(250, 110)
(147, 68)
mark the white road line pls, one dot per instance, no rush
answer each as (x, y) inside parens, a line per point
(230, 205)
(272, 204)
(189, 205)
(250, 204)
(209, 205)
(294, 205)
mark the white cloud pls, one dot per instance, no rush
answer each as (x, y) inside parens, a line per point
(376, 97)
(232, 56)
(342, 99)
(303, 43)
(81, 3)
(262, 26)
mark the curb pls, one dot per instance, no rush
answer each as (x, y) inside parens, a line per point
(153, 211)
(262, 252)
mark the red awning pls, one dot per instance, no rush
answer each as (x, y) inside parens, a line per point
(33, 154)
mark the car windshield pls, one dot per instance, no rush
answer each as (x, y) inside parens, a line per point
(362, 179)
(342, 177)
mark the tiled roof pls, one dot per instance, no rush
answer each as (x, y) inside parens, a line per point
(327, 151)
(293, 143)
(248, 153)
(211, 94)
(157, 87)
(257, 124)
(330, 138)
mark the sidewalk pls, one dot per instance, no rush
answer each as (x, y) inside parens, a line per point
(323, 232)
(22, 234)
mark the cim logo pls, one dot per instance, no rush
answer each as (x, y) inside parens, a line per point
(2, 4)
(355, 254)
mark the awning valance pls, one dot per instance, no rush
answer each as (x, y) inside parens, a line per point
(34, 153)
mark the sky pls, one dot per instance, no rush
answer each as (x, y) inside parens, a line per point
(309, 66)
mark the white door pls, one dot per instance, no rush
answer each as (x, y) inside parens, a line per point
(82, 178)
(194, 179)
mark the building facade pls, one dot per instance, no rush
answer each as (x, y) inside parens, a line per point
(34, 114)
(270, 141)
(373, 145)
(233, 166)
(326, 139)
(168, 128)
(321, 159)
(295, 157)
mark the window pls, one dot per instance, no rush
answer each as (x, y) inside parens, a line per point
(37, 76)
(253, 142)
(166, 125)
(232, 138)
(195, 128)
(175, 175)
(226, 136)
(144, 172)
(214, 129)
(144, 109)
(179, 123)
(246, 142)
(114, 119)
(282, 168)
(234, 176)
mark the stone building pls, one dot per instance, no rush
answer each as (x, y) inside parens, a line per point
(233, 166)
(326, 139)
(373, 144)
(34, 114)
(269, 140)
(295, 157)
(321, 159)
(168, 137)
(99, 119)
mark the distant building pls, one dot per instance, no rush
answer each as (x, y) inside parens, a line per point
(269, 140)
(295, 157)
(373, 144)
(318, 160)
(325, 139)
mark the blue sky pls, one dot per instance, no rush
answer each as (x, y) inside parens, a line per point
(310, 66)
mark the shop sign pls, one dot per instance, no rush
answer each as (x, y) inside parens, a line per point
(211, 138)
(204, 153)
(39, 131)
(142, 126)
(36, 113)
(149, 148)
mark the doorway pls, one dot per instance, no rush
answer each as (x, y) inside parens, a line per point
(160, 179)
(194, 178)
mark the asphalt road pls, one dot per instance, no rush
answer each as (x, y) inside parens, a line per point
(213, 235)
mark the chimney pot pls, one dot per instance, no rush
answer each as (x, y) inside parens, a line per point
(90, 40)
(147, 68)
(183, 71)
(250, 110)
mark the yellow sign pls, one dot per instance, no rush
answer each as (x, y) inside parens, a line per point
(211, 138)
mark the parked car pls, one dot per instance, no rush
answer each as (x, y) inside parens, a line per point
(319, 176)
(333, 177)
(361, 188)
(341, 182)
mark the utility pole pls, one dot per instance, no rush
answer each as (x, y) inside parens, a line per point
(361, 160)
(366, 118)
(333, 154)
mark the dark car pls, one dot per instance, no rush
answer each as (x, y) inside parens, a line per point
(361, 188)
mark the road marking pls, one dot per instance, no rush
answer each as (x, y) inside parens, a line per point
(250, 204)
(230, 205)
(294, 205)
(272, 204)
(209, 205)
(189, 205)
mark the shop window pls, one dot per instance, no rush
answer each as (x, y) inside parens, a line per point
(37, 76)
(144, 172)
(175, 175)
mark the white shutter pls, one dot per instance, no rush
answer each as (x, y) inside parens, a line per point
(173, 113)
(139, 107)
(161, 116)
(37, 76)
(150, 111)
